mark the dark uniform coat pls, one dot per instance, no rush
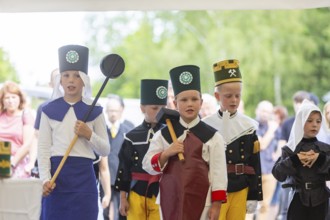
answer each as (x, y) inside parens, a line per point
(134, 148)
(309, 182)
(242, 153)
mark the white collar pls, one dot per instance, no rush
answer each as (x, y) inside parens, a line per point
(192, 124)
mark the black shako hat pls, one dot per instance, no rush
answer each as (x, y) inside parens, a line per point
(73, 57)
(154, 91)
(226, 71)
(184, 78)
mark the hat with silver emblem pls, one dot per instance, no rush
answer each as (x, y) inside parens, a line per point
(73, 57)
(184, 78)
(154, 92)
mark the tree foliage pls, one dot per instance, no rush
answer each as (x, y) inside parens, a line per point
(280, 52)
(7, 70)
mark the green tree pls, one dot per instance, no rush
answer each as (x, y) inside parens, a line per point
(280, 51)
(7, 70)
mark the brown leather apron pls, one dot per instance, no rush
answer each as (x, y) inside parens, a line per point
(184, 185)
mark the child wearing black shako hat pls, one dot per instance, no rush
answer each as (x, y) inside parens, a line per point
(138, 189)
(193, 189)
(74, 194)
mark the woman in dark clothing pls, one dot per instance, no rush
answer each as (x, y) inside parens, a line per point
(304, 166)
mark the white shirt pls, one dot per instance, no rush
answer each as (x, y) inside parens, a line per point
(56, 136)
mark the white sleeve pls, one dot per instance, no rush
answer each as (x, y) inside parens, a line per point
(157, 145)
(44, 148)
(217, 163)
(99, 139)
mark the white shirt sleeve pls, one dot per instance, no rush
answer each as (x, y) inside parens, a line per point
(44, 148)
(157, 145)
(214, 154)
(99, 139)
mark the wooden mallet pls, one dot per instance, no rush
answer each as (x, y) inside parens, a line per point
(165, 115)
(111, 66)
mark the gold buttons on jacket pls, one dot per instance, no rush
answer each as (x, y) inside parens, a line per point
(135, 158)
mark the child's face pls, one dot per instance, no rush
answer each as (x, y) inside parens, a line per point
(229, 96)
(312, 125)
(188, 103)
(72, 84)
(150, 112)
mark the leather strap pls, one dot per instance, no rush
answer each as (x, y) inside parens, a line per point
(240, 169)
(306, 185)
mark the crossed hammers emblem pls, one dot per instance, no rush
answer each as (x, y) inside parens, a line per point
(232, 72)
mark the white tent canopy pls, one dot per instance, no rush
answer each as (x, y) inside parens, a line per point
(144, 5)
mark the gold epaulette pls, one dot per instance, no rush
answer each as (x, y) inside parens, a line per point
(256, 147)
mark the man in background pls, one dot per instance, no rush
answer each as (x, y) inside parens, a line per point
(117, 127)
(268, 139)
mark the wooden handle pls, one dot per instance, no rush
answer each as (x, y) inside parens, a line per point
(173, 136)
(74, 140)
